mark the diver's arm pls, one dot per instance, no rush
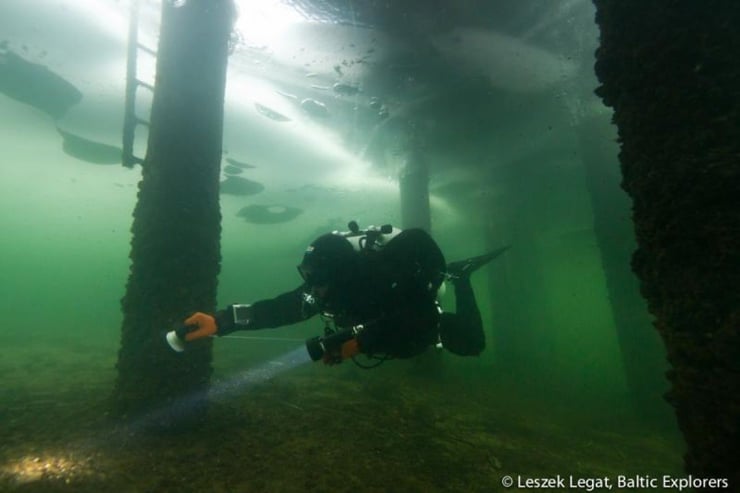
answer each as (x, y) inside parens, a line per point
(285, 309)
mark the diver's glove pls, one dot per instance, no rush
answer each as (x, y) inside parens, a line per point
(197, 326)
(346, 350)
(334, 347)
(200, 325)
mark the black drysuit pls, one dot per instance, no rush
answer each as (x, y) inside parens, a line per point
(392, 293)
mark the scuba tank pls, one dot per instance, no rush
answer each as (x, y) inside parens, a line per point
(375, 238)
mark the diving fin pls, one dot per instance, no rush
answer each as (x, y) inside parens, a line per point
(463, 268)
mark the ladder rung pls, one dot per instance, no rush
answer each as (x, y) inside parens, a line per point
(130, 160)
(146, 49)
(145, 85)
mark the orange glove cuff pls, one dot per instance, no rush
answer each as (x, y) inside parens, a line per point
(350, 348)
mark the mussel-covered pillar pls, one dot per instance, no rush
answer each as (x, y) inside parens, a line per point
(175, 250)
(669, 69)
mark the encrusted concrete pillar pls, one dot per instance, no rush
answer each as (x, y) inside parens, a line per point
(175, 249)
(670, 70)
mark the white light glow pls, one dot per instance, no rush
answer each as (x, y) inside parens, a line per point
(110, 18)
(333, 163)
(263, 22)
(57, 465)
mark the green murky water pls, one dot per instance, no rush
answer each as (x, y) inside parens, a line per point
(519, 152)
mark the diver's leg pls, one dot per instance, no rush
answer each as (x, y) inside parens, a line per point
(462, 332)
(463, 268)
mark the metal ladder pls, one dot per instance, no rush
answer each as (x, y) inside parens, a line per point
(130, 120)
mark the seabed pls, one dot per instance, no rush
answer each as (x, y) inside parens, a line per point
(312, 429)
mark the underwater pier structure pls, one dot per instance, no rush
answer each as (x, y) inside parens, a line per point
(640, 347)
(669, 70)
(175, 249)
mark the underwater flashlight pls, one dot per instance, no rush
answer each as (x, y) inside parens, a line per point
(319, 345)
(197, 326)
(176, 338)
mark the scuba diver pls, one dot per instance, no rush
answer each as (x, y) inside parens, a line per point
(376, 290)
